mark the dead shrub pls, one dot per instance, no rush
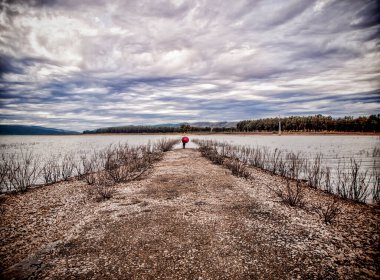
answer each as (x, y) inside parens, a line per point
(328, 212)
(51, 171)
(126, 173)
(212, 154)
(2, 205)
(90, 165)
(126, 165)
(314, 172)
(165, 145)
(237, 167)
(67, 166)
(90, 178)
(282, 167)
(348, 181)
(121, 163)
(353, 183)
(257, 158)
(23, 170)
(295, 165)
(276, 161)
(79, 170)
(103, 188)
(328, 186)
(376, 186)
(292, 195)
(4, 167)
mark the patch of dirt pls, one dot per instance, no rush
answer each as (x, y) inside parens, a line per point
(188, 219)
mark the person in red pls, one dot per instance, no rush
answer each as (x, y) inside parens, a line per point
(184, 141)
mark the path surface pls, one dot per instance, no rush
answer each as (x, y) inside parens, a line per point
(188, 219)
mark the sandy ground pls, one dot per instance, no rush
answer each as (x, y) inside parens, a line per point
(187, 219)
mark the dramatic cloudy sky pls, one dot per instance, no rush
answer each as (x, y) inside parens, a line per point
(82, 64)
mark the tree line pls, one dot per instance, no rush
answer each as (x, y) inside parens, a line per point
(158, 129)
(313, 124)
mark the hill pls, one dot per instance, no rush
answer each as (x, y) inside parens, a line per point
(215, 124)
(31, 130)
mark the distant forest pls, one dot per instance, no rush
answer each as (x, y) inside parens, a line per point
(158, 129)
(317, 123)
(313, 124)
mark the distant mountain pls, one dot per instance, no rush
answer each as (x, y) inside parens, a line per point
(167, 125)
(200, 124)
(31, 130)
(214, 124)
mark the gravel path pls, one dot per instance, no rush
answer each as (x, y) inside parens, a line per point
(187, 219)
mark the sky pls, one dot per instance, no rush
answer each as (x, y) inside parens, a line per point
(87, 64)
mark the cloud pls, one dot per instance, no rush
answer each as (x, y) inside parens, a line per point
(87, 64)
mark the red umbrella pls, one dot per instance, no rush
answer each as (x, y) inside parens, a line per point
(185, 139)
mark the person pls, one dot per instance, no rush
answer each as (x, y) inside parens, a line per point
(184, 141)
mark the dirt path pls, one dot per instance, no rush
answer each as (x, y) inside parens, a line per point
(190, 219)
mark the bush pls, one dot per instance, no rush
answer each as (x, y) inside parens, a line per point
(295, 165)
(67, 166)
(4, 167)
(123, 164)
(223, 154)
(292, 195)
(23, 170)
(315, 172)
(2, 205)
(90, 165)
(165, 145)
(353, 184)
(376, 186)
(237, 167)
(103, 188)
(51, 171)
(328, 186)
(212, 154)
(276, 161)
(328, 212)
